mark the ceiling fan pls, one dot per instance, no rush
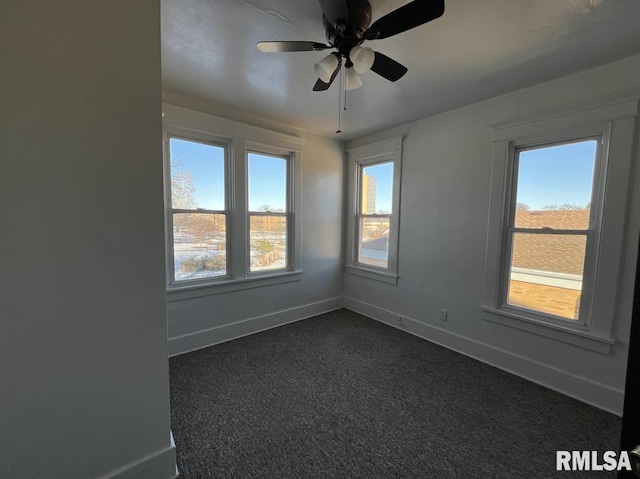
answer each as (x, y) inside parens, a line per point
(347, 24)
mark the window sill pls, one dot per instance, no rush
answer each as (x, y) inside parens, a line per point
(581, 338)
(181, 292)
(382, 276)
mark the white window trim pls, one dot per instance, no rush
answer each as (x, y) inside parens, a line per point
(613, 118)
(240, 139)
(293, 199)
(384, 151)
(207, 139)
(601, 134)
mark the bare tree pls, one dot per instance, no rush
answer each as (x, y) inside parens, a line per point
(522, 207)
(182, 187)
(203, 227)
(564, 207)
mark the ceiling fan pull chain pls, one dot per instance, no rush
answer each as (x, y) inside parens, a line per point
(345, 93)
(339, 130)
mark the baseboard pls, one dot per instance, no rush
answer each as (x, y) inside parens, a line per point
(158, 465)
(580, 388)
(209, 337)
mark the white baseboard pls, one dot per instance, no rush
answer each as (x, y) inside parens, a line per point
(158, 465)
(582, 389)
(209, 337)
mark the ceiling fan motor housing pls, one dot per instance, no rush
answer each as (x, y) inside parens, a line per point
(347, 23)
(344, 35)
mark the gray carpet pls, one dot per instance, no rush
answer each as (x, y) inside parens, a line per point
(343, 396)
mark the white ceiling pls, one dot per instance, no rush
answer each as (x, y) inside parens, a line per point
(476, 50)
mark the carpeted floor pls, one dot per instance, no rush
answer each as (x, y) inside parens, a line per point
(343, 396)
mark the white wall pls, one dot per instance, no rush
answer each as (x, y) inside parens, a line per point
(446, 176)
(83, 353)
(198, 322)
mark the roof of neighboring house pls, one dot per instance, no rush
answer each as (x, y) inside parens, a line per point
(378, 244)
(550, 252)
(558, 219)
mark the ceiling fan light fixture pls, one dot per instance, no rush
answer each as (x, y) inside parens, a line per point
(362, 58)
(352, 79)
(325, 67)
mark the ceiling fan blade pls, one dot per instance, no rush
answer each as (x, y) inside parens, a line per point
(322, 86)
(388, 68)
(335, 11)
(280, 47)
(405, 18)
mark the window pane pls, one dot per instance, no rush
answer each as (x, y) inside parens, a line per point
(546, 273)
(373, 243)
(554, 186)
(267, 183)
(199, 245)
(197, 175)
(376, 188)
(268, 242)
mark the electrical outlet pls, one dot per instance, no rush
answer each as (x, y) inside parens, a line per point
(443, 314)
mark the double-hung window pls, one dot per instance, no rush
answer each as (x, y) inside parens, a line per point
(372, 249)
(231, 208)
(269, 211)
(198, 209)
(557, 224)
(553, 229)
(375, 187)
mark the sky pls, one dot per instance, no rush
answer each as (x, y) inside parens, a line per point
(267, 175)
(556, 175)
(267, 182)
(553, 175)
(383, 173)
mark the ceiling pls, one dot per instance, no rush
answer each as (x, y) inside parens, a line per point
(476, 50)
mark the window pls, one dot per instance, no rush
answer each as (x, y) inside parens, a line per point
(269, 212)
(373, 224)
(198, 209)
(375, 184)
(554, 224)
(557, 225)
(230, 207)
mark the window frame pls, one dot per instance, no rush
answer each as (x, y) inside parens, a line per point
(200, 127)
(210, 140)
(289, 214)
(360, 216)
(592, 234)
(386, 151)
(614, 117)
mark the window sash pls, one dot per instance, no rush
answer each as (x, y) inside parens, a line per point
(289, 242)
(226, 166)
(289, 213)
(596, 186)
(172, 257)
(506, 276)
(366, 164)
(219, 143)
(359, 216)
(358, 238)
(510, 230)
(289, 175)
